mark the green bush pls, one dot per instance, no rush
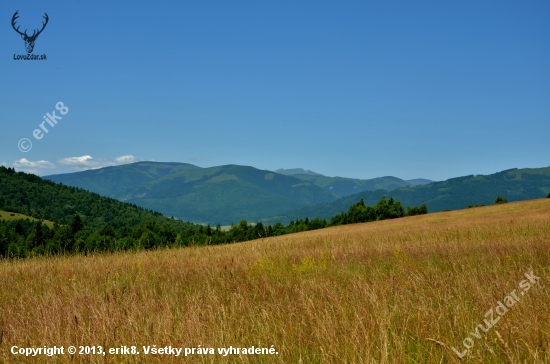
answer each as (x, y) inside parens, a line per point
(500, 199)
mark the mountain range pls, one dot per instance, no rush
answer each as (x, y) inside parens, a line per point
(227, 194)
(223, 194)
(455, 193)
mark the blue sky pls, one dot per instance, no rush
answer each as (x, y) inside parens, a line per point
(361, 89)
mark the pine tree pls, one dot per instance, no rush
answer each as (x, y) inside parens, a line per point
(77, 224)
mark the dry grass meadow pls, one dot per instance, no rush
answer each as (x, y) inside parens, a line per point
(397, 291)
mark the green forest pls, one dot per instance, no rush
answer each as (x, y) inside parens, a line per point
(86, 222)
(452, 194)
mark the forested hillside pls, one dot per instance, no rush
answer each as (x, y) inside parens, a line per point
(342, 187)
(86, 222)
(224, 194)
(109, 181)
(452, 194)
(33, 196)
(83, 221)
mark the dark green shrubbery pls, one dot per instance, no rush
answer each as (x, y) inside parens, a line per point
(500, 199)
(472, 206)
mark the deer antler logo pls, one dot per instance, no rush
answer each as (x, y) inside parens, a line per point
(29, 40)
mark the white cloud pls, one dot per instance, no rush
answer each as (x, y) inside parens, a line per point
(36, 167)
(81, 163)
(88, 162)
(85, 160)
(125, 159)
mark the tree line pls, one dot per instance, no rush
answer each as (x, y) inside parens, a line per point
(86, 222)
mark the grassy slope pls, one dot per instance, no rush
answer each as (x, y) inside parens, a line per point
(5, 215)
(374, 292)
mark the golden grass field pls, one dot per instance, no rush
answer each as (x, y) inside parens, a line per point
(394, 291)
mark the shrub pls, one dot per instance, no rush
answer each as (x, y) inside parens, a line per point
(500, 199)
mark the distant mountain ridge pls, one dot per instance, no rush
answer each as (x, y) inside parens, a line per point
(105, 181)
(223, 194)
(227, 194)
(295, 171)
(418, 181)
(455, 193)
(348, 186)
(342, 186)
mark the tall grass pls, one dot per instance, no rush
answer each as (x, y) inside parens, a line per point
(395, 291)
